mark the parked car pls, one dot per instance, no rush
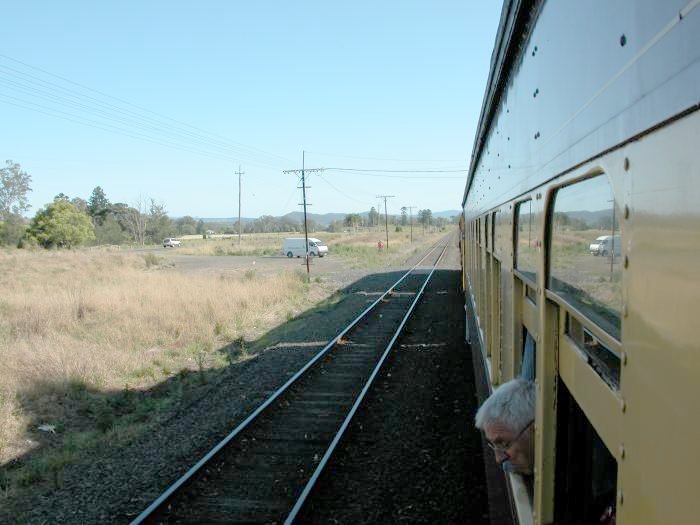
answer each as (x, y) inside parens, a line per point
(606, 245)
(170, 243)
(294, 247)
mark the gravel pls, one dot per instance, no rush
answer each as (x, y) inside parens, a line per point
(411, 454)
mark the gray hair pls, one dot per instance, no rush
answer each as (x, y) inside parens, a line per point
(512, 404)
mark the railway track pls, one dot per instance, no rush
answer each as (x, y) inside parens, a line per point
(263, 471)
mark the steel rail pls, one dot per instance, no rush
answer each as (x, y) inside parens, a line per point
(329, 452)
(189, 475)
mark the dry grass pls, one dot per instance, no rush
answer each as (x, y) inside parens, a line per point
(101, 321)
(81, 331)
(360, 250)
(353, 247)
(251, 244)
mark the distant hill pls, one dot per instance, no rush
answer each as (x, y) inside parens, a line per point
(322, 219)
(446, 214)
(225, 220)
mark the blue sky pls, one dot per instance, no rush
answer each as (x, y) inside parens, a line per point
(164, 100)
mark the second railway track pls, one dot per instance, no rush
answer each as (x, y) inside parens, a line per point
(264, 469)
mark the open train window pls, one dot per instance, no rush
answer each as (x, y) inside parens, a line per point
(599, 356)
(492, 223)
(585, 267)
(586, 472)
(529, 356)
(526, 240)
(486, 232)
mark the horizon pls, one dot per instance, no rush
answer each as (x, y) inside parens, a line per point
(100, 95)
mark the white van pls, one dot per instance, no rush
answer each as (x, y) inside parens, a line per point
(605, 245)
(294, 247)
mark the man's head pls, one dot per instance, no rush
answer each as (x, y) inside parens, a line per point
(506, 418)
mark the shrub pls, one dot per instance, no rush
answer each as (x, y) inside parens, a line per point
(151, 259)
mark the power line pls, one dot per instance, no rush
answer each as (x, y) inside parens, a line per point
(227, 140)
(340, 191)
(109, 128)
(380, 173)
(61, 96)
(401, 171)
(381, 158)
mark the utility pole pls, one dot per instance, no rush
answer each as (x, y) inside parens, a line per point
(239, 173)
(410, 215)
(303, 170)
(386, 217)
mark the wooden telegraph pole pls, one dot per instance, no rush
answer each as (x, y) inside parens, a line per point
(386, 217)
(303, 171)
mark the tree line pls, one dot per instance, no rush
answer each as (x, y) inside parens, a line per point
(68, 222)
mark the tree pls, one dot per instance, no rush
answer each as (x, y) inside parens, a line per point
(404, 215)
(12, 229)
(133, 219)
(60, 224)
(79, 203)
(354, 220)
(186, 225)
(424, 218)
(373, 217)
(98, 206)
(110, 231)
(14, 186)
(159, 225)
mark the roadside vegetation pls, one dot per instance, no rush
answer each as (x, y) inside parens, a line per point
(97, 341)
(95, 344)
(359, 249)
(85, 334)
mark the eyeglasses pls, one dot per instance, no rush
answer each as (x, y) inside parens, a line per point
(503, 447)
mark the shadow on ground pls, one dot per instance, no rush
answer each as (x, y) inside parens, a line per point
(102, 421)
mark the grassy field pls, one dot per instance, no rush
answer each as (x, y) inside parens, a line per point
(357, 249)
(77, 323)
(83, 333)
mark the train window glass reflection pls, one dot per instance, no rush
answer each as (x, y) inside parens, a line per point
(584, 261)
(501, 234)
(525, 245)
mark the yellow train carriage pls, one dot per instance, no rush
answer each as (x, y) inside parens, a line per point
(590, 129)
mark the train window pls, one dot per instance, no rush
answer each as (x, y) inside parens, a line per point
(601, 358)
(529, 357)
(586, 472)
(526, 241)
(501, 235)
(486, 231)
(531, 294)
(585, 252)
